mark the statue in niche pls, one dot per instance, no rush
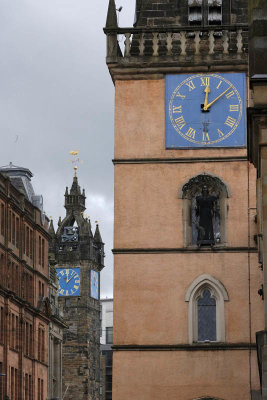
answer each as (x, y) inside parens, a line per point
(205, 211)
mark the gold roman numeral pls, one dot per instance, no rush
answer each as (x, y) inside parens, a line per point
(191, 133)
(230, 121)
(180, 95)
(229, 94)
(177, 109)
(61, 291)
(180, 122)
(234, 107)
(205, 137)
(219, 84)
(67, 292)
(220, 133)
(76, 287)
(191, 85)
(205, 81)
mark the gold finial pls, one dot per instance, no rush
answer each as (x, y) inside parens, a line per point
(75, 160)
(51, 217)
(96, 222)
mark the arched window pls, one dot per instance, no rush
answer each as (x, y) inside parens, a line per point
(205, 210)
(206, 316)
(206, 296)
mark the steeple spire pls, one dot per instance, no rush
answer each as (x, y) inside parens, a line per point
(52, 232)
(75, 200)
(112, 21)
(97, 236)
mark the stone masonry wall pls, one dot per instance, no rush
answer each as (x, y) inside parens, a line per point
(175, 12)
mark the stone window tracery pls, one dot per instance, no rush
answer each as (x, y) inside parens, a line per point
(205, 297)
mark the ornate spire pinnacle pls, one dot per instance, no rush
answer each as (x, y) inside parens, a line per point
(51, 228)
(97, 236)
(112, 21)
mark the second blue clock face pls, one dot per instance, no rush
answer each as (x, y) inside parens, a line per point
(205, 110)
(94, 284)
(69, 281)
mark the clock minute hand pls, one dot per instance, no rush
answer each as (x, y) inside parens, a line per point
(70, 279)
(217, 98)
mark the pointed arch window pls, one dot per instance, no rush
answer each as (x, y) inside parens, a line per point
(206, 323)
(206, 316)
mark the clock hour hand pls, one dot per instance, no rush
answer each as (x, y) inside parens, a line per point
(205, 108)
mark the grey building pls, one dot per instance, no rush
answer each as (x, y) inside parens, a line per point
(106, 340)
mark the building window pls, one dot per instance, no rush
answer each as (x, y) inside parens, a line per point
(43, 253)
(205, 211)
(2, 321)
(13, 228)
(204, 12)
(1, 381)
(206, 296)
(31, 244)
(40, 389)
(39, 250)
(2, 219)
(109, 335)
(17, 232)
(9, 226)
(28, 342)
(41, 344)
(28, 392)
(206, 317)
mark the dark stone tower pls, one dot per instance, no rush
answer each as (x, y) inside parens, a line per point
(78, 256)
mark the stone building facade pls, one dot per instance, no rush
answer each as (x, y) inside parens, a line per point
(186, 276)
(24, 280)
(78, 257)
(55, 339)
(257, 144)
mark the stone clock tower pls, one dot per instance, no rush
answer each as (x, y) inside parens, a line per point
(186, 276)
(78, 256)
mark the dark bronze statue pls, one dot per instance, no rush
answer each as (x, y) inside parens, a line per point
(205, 210)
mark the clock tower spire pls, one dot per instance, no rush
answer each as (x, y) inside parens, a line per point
(78, 258)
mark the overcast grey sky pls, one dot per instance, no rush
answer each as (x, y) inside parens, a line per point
(56, 95)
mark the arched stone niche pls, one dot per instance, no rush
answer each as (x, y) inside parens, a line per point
(189, 193)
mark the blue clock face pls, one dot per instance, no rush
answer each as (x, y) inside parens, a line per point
(95, 284)
(205, 110)
(69, 281)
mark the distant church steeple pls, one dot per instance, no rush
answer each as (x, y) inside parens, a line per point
(74, 200)
(78, 257)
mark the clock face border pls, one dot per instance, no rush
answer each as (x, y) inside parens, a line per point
(77, 292)
(186, 102)
(94, 284)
